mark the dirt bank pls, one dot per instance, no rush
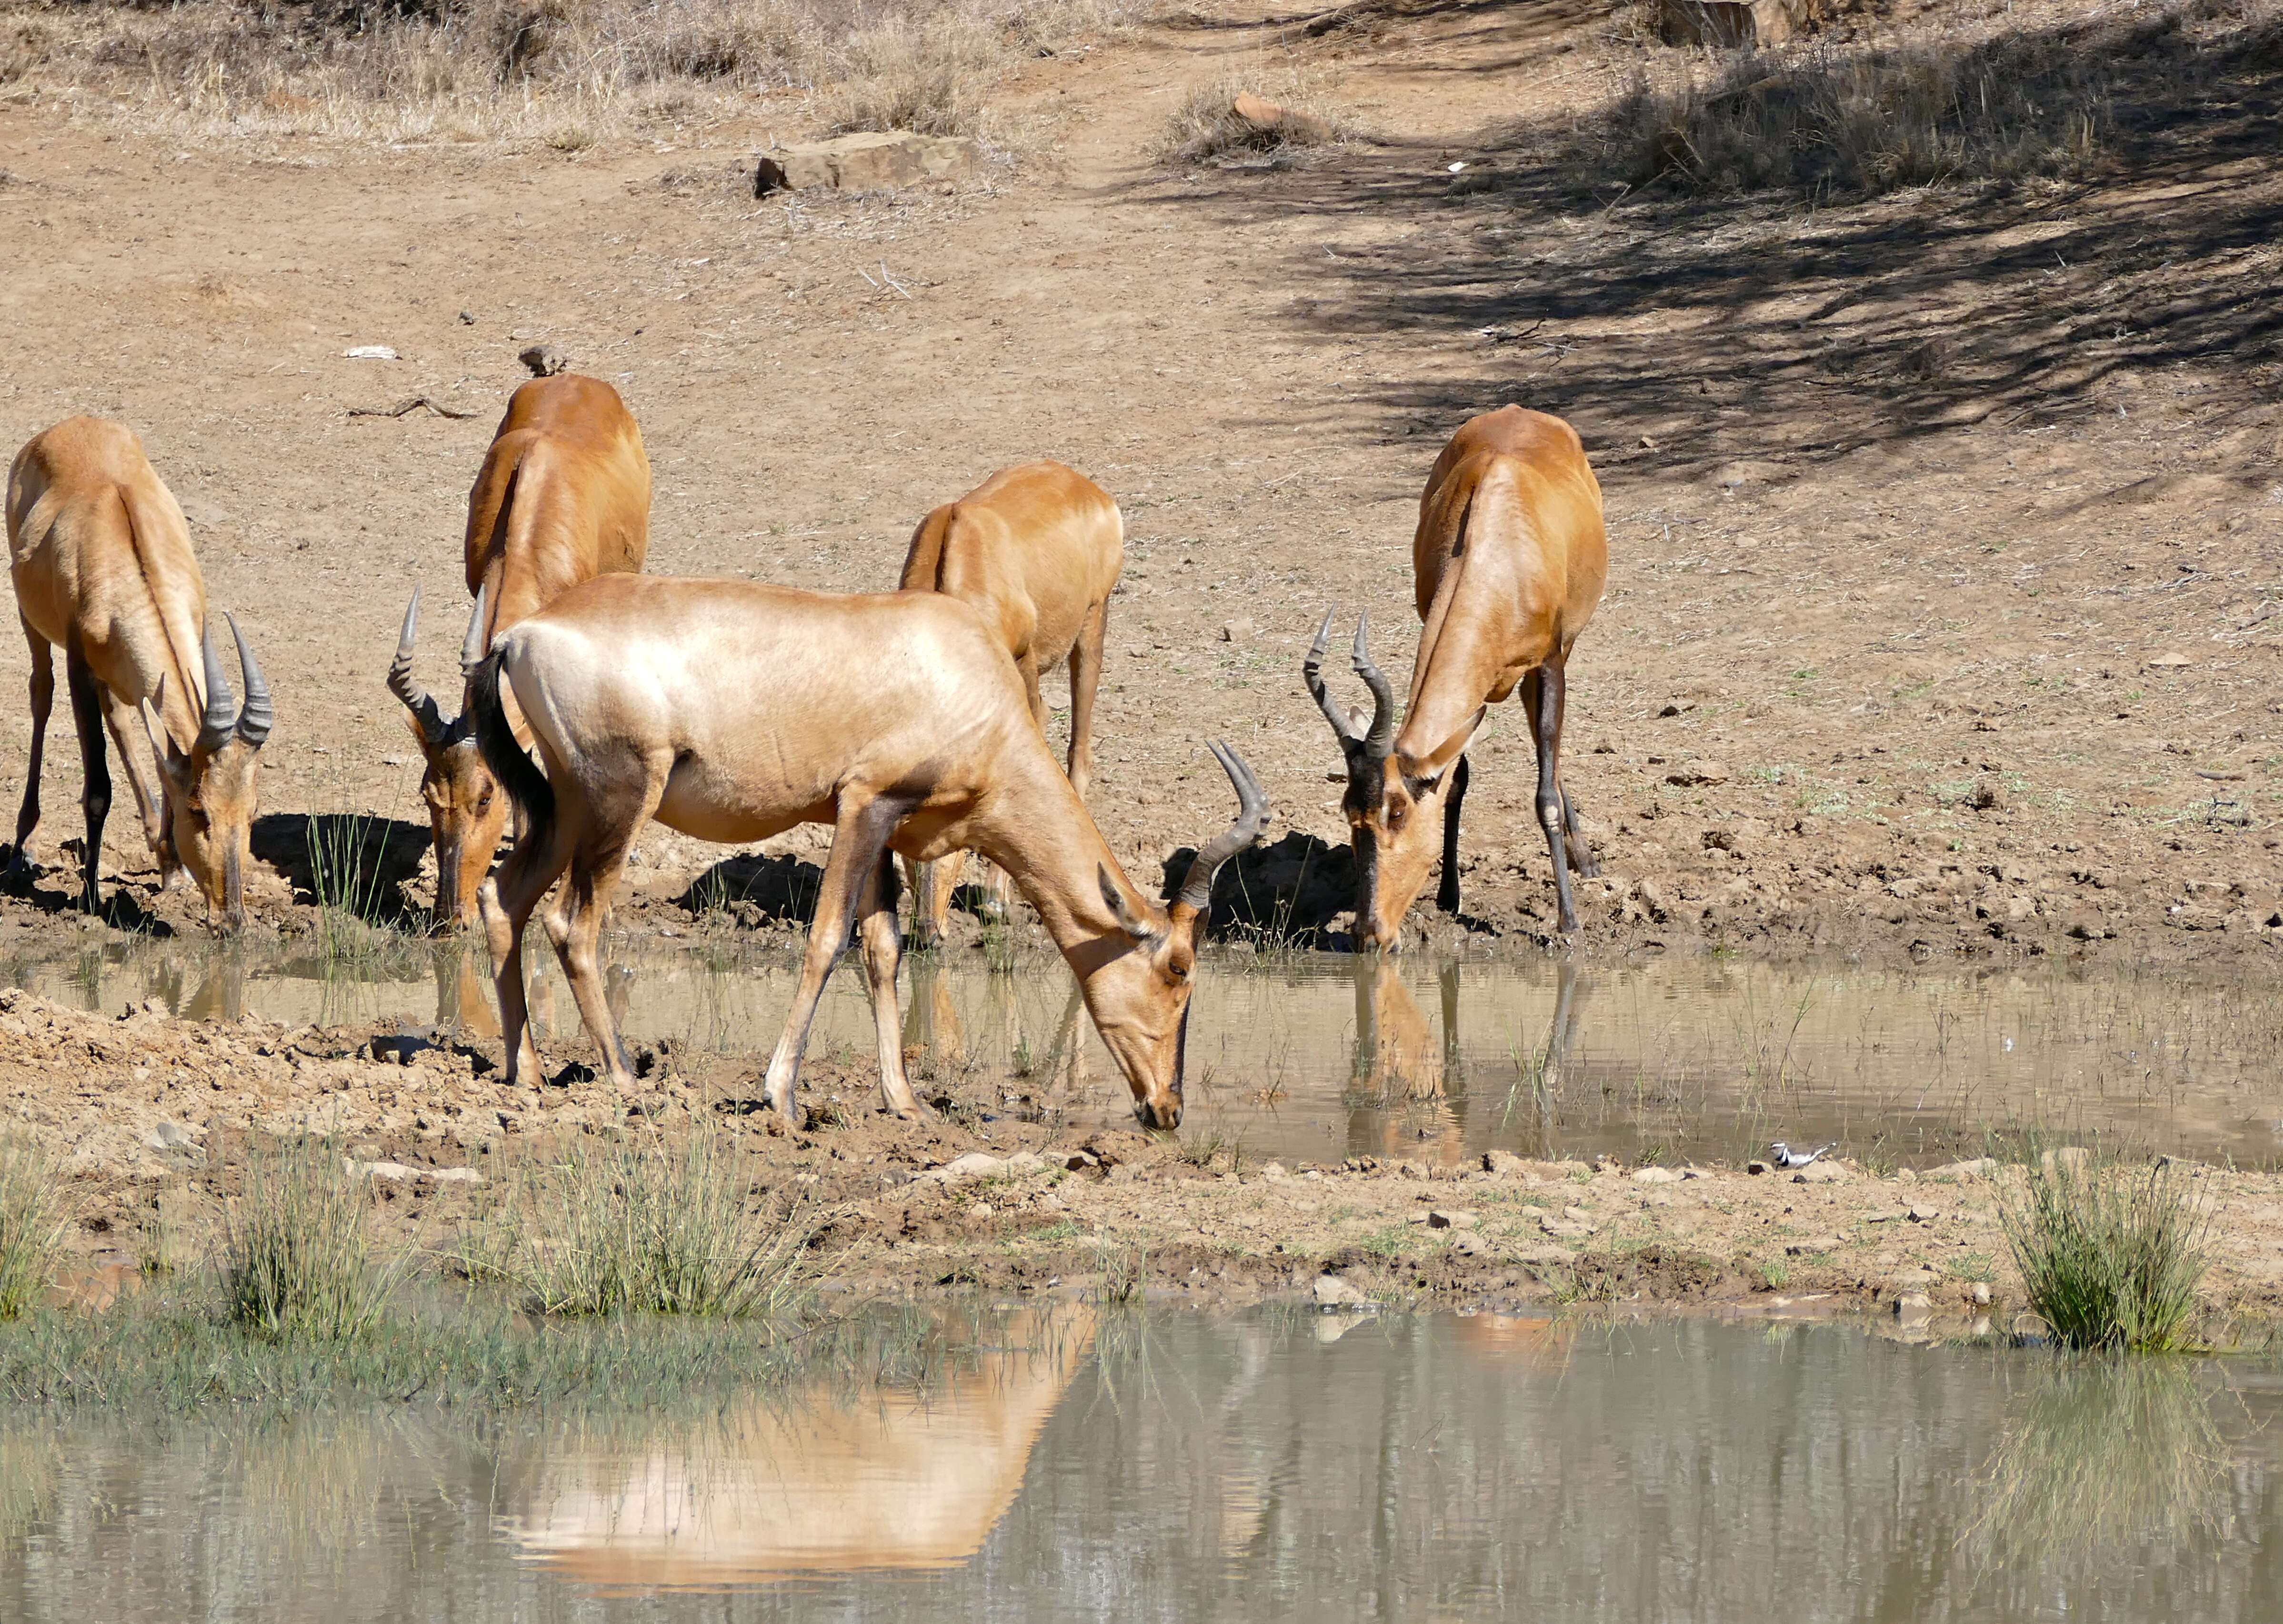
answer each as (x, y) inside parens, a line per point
(150, 1118)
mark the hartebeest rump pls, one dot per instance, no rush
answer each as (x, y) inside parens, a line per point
(1037, 549)
(102, 563)
(1509, 562)
(732, 710)
(562, 496)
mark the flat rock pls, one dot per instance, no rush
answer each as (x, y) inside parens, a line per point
(868, 161)
(1331, 1291)
(1693, 772)
(1821, 1173)
(1658, 1176)
(1913, 1308)
(1466, 1243)
(166, 1135)
(1980, 1166)
(1450, 1217)
(974, 1164)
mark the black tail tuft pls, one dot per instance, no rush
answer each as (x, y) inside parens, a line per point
(526, 785)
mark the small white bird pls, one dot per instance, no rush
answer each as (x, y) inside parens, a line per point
(1787, 1157)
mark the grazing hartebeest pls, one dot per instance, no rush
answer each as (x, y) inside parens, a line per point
(102, 563)
(562, 496)
(733, 711)
(1509, 562)
(1037, 549)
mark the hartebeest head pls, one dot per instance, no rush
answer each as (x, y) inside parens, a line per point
(466, 812)
(1139, 996)
(212, 787)
(1391, 803)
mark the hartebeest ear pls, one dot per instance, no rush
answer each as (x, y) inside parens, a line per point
(1133, 924)
(161, 751)
(1425, 774)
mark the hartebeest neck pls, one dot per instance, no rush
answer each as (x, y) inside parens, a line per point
(1033, 825)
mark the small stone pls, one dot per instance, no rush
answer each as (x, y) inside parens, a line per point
(1821, 1173)
(1331, 1291)
(1981, 1292)
(454, 1176)
(544, 360)
(393, 1172)
(1450, 1217)
(1026, 1161)
(1695, 773)
(369, 352)
(1469, 1244)
(2166, 662)
(1980, 1166)
(1504, 1163)
(1923, 1214)
(981, 1209)
(166, 1134)
(1236, 631)
(974, 1164)
(866, 162)
(1755, 1168)
(1913, 1308)
(1657, 1176)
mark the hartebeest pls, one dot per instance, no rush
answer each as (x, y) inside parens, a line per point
(733, 711)
(562, 496)
(1510, 561)
(1037, 549)
(102, 563)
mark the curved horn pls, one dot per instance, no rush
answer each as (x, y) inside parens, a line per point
(1379, 743)
(473, 649)
(1311, 670)
(406, 688)
(257, 715)
(222, 706)
(1251, 818)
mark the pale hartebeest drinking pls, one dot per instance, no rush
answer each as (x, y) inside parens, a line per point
(733, 711)
(562, 496)
(102, 563)
(1037, 549)
(1509, 561)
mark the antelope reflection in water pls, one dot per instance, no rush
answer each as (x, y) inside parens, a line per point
(940, 1041)
(907, 1481)
(1406, 1084)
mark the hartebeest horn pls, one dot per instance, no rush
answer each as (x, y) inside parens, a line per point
(1251, 818)
(1379, 743)
(407, 687)
(472, 649)
(1311, 670)
(255, 717)
(215, 726)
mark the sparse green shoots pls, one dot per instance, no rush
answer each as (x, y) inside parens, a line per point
(31, 1225)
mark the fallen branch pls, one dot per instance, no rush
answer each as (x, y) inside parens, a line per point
(410, 403)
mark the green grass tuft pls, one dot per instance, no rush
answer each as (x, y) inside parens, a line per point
(31, 1225)
(2109, 1259)
(297, 1257)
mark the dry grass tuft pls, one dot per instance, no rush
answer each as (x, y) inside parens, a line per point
(561, 73)
(31, 1225)
(1205, 127)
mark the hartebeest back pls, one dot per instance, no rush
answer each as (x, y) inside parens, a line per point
(562, 496)
(102, 564)
(733, 711)
(1037, 549)
(1508, 563)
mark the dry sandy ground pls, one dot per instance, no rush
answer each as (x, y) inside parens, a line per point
(1980, 661)
(151, 1130)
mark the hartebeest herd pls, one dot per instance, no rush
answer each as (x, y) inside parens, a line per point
(910, 722)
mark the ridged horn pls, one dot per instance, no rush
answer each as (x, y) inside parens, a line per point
(407, 687)
(257, 715)
(1251, 818)
(1311, 670)
(473, 648)
(220, 717)
(1378, 743)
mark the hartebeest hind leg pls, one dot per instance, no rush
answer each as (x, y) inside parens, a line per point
(504, 904)
(94, 793)
(859, 843)
(44, 699)
(1544, 694)
(1446, 895)
(883, 949)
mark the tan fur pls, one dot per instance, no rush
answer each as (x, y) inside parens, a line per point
(732, 710)
(562, 496)
(101, 560)
(1037, 549)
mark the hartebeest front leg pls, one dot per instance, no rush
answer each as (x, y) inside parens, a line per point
(43, 698)
(95, 794)
(882, 950)
(860, 841)
(1446, 895)
(1546, 725)
(156, 829)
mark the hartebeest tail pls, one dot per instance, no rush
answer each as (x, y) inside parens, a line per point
(1508, 561)
(732, 711)
(1037, 549)
(562, 496)
(519, 777)
(101, 561)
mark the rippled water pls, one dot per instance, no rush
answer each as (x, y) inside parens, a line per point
(1323, 1056)
(1268, 1465)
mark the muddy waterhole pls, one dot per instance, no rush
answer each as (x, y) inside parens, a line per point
(1320, 1057)
(1073, 1463)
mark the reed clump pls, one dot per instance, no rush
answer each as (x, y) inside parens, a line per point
(626, 1222)
(296, 1254)
(31, 1225)
(2110, 1258)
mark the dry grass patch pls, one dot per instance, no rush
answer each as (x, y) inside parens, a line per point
(1207, 127)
